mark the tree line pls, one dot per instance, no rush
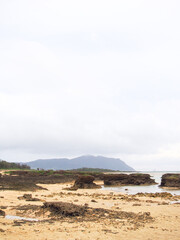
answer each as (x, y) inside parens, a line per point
(8, 165)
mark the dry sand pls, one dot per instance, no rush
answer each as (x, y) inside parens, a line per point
(165, 223)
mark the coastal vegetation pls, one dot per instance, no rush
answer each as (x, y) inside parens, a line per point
(98, 170)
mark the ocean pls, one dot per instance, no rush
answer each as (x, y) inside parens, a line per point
(145, 189)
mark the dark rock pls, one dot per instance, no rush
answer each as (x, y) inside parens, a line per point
(2, 213)
(131, 179)
(59, 210)
(170, 180)
(85, 179)
(85, 182)
(18, 223)
(3, 207)
(115, 179)
(163, 203)
(28, 197)
(65, 209)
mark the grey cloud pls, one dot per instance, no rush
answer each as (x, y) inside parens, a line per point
(91, 78)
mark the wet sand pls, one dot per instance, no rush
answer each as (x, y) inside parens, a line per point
(162, 221)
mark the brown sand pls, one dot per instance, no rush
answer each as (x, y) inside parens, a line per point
(165, 224)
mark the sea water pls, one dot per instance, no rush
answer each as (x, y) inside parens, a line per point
(11, 217)
(144, 189)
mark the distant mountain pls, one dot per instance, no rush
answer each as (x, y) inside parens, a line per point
(80, 162)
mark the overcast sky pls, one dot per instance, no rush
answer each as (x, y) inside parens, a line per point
(91, 77)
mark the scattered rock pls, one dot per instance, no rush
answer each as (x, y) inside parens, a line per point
(71, 188)
(151, 201)
(163, 203)
(3, 207)
(165, 195)
(85, 213)
(18, 223)
(28, 197)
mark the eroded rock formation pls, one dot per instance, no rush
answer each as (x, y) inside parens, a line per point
(128, 179)
(65, 209)
(85, 182)
(170, 180)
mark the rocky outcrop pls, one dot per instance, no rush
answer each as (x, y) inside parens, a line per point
(85, 182)
(65, 209)
(125, 179)
(85, 213)
(170, 180)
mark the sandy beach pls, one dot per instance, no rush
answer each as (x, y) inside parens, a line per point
(120, 216)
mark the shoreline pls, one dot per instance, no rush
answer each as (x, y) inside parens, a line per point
(161, 219)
